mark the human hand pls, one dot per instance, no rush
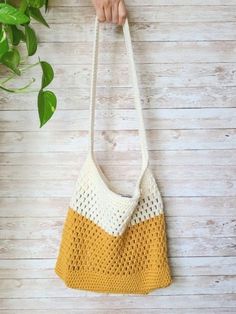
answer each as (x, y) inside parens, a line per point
(110, 11)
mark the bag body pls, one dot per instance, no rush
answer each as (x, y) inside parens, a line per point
(113, 242)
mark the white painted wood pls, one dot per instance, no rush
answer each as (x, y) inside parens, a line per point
(158, 52)
(72, 141)
(122, 97)
(43, 228)
(142, 31)
(189, 157)
(126, 311)
(148, 2)
(181, 266)
(186, 61)
(174, 206)
(171, 188)
(164, 311)
(80, 52)
(115, 173)
(151, 75)
(149, 14)
(178, 247)
(128, 304)
(123, 119)
(51, 288)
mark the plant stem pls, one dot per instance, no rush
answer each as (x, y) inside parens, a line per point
(29, 66)
(13, 76)
(17, 90)
(7, 79)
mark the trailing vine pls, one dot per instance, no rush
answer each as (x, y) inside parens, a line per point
(15, 29)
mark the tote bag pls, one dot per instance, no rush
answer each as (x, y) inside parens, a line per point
(113, 242)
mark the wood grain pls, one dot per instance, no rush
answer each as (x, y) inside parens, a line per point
(43, 228)
(142, 31)
(174, 206)
(164, 13)
(186, 65)
(127, 304)
(123, 140)
(178, 247)
(123, 119)
(157, 3)
(181, 266)
(122, 98)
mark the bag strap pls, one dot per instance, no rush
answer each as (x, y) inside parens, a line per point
(142, 132)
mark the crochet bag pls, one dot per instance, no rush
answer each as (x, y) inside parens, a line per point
(112, 242)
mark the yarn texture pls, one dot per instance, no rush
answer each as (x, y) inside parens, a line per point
(113, 242)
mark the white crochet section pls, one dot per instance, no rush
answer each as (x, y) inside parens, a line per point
(111, 211)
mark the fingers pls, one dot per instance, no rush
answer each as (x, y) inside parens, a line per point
(110, 11)
(101, 14)
(98, 5)
(115, 17)
(122, 13)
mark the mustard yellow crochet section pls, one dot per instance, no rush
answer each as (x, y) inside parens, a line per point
(91, 259)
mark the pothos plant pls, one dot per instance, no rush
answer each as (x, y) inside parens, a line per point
(15, 28)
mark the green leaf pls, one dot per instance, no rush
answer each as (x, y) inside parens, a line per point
(23, 6)
(36, 3)
(15, 35)
(48, 74)
(37, 15)
(31, 40)
(11, 15)
(3, 42)
(46, 6)
(11, 59)
(47, 103)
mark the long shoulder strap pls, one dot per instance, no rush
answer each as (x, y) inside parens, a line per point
(142, 132)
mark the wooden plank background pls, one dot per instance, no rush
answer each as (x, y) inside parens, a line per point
(185, 51)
